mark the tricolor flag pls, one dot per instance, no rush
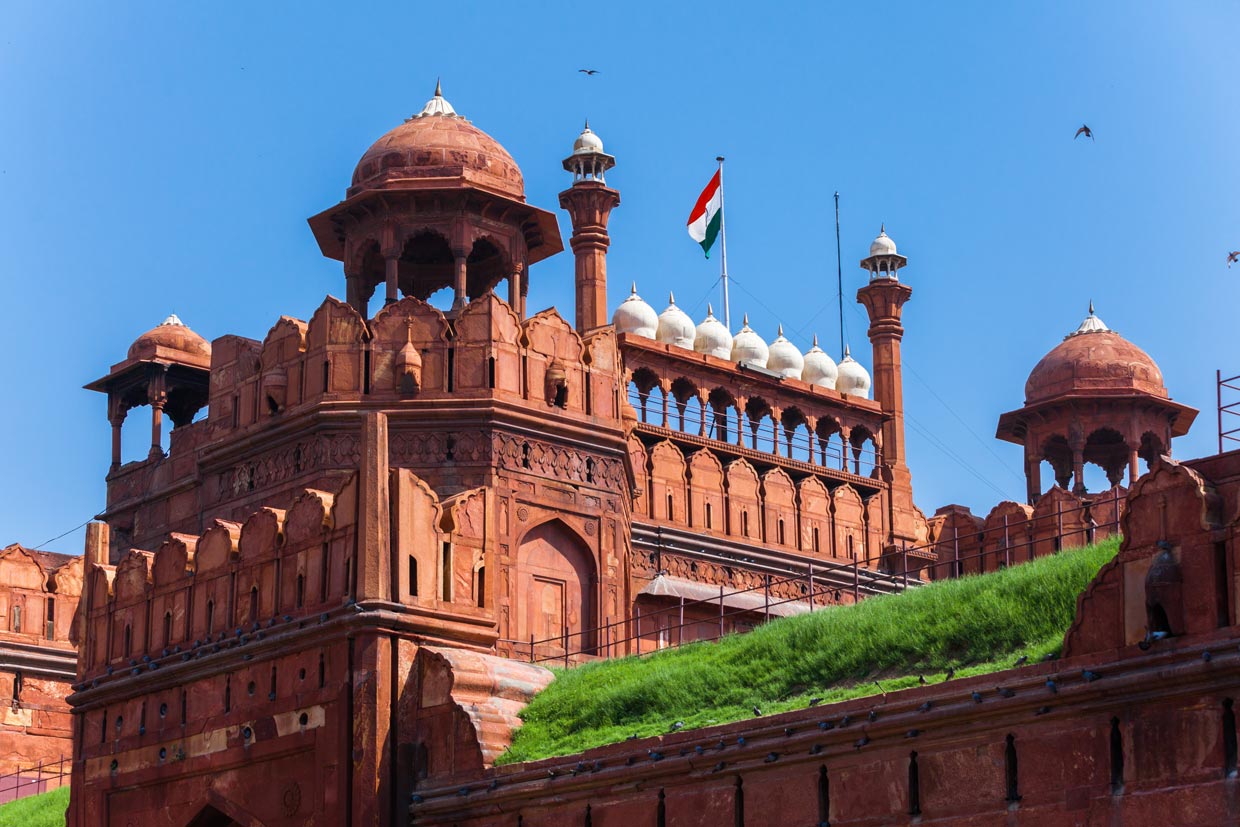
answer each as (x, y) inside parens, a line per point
(707, 215)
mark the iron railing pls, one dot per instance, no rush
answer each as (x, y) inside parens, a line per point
(41, 778)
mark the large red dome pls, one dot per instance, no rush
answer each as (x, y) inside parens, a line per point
(172, 341)
(438, 143)
(1094, 360)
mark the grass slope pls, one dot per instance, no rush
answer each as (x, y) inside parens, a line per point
(44, 810)
(974, 624)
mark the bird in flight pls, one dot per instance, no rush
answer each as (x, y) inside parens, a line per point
(1232, 258)
(588, 71)
(1084, 130)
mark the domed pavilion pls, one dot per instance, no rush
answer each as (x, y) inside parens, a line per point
(1095, 398)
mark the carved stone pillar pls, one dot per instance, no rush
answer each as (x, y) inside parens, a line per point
(459, 260)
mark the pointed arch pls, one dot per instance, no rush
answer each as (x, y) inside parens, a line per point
(556, 578)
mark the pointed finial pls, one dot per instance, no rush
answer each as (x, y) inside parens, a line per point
(634, 290)
(1091, 307)
(745, 320)
(882, 228)
(587, 128)
(780, 333)
(671, 297)
(710, 311)
(847, 355)
(815, 340)
(438, 91)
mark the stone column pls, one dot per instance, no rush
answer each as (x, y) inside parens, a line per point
(391, 269)
(116, 415)
(589, 204)
(1134, 467)
(1078, 469)
(459, 260)
(1033, 473)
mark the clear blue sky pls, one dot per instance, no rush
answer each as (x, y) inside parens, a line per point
(163, 157)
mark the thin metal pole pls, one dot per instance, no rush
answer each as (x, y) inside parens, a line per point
(766, 599)
(1218, 389)
(856, 580)
(720, 610)
(723, 250)
(811, 586)
(1059, 525)
(1007, 545)
(839, 271)
(680, 630)
(531, 647)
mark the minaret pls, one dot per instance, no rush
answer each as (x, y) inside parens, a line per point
(884, 299)
(589, 202)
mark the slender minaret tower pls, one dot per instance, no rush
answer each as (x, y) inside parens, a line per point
(589, 202)
(884, 299)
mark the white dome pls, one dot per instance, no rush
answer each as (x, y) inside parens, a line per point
(712, 337)
(1092, 324)
(883, 245)
(587, 142)
(851, 378)
(675, 326)
(819, 368)
(636, 317)
(784, 358)
(748, 347)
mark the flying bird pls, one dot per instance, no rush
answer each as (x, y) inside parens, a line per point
(1232, 258)
(588, 71)
(1084, 130)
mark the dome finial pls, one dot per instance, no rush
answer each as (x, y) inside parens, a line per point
(587, 126)
(710, 309)
(815, 340)
(633, 291)
(882, 228)
(438, 90)
(780, 331)
(671, 297)
(847, 355)
(745, 320)
(1091, 307)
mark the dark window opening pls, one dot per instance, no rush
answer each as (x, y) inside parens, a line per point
(914, 786)
(1229, 739)
(348, 577)
(18, 680)
(824, 798)
(525, 456)
(323, 573)
(50, 631)
(103, 729)
(661, 812)
(322, 672)
(253, 603)
(482, 587)
(491, 372)
(184, 703)
(365, 371)
(228, 694)
(671, 507)
(745, 523)
(413, 576)
(236, 410)
(589, 817)
(167, 628)
(1058, 546)
(272, 407)
(1117, 758)
(852, 552)
(301, 590)
(446, 572)
(128, 639)
(210, 617)
(708, 516)
(590, 471)
(1220, 575)
(327, 374)
(271, 696)
(780, 531)
(450, 449)
(561, 396)
(739, 818)
(451, 369)
(1009, 769)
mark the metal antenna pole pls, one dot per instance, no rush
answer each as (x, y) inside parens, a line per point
(839, 270)
(723, 251)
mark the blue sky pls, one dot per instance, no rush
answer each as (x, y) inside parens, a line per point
(163, 158)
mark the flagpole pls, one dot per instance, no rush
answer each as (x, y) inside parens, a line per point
(723, 250)
(839, 271)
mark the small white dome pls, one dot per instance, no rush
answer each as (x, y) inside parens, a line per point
(712, 337)
(883, 245)
(784, 358)
(1092, 324)
(636, 317)
(174, 319)
(437, 105)
(851, 378)
(675, 326)
(819, 368)
(587, 142)
(748, 347)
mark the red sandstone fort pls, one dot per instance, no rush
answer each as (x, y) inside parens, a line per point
(327, 601)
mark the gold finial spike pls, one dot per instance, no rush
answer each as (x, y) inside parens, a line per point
(882, 228)
(1091, 307)
(710, 310)
(587, 129)
(815, 340)
(438, 91)
(846, 353)
(745, 320)
(671, 297)
(780, 334)
(634, 290)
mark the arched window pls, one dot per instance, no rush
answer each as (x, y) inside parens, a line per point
(480, 587)
(167, 628)
(914, 786)
(413, 576)
(1009, 764)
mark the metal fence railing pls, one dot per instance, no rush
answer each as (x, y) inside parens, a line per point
(40, 778)
(824, 584)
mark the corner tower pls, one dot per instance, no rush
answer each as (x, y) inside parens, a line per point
(884, 299)
(436, 203)
(589, 202)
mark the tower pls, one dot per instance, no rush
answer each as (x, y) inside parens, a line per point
(884, 299)
(589, 202)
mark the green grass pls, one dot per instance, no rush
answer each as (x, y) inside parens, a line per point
(44, 810)
(975, 624)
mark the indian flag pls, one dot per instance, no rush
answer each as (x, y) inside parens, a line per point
(707, 215)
